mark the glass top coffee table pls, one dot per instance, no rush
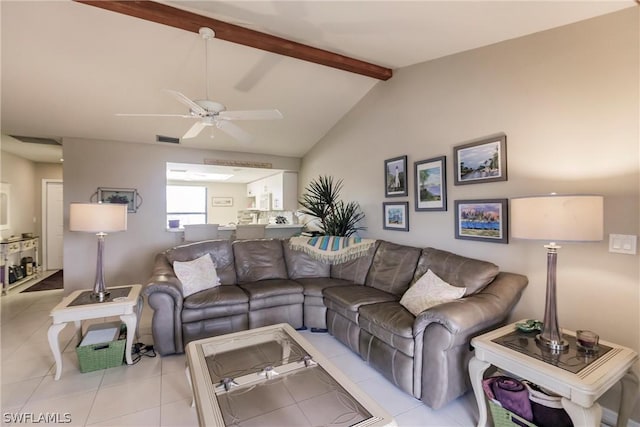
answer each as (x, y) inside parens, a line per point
(273, 376)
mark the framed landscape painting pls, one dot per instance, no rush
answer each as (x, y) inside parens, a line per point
(430, 184)
(481, 161)
(395, 177)
(395, 216)
(484, 220)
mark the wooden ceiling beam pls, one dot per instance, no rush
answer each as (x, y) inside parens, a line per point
(178, 18)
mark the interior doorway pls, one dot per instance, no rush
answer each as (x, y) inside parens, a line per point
(52, 224)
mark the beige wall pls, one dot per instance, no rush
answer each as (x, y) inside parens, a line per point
(26, 178)
(128, 255)
(567, 99)
(20, 174)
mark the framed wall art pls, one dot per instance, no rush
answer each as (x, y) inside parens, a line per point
(221, 201)
(430, 180)
(484, 220)
(395, 177)
(125, 196)
(481, 161)
(395, 216)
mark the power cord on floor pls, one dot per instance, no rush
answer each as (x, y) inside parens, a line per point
(139, 349)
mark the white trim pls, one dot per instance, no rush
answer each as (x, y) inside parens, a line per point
(43, 221)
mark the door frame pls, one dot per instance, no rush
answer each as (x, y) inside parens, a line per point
(43, 219)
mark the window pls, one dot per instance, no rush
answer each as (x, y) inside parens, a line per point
(186, 204)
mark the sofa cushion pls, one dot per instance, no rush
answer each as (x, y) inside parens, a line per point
(301, 265)
(315, 286)
(270, 288)
(196, 275)
(346, 300)
(428, 291)
(261, 259)
(393, 267)
(389, 322)
(221, 255)
(220, 295)
(457, 270)
(273, 293)
(221, 301)
(355, 270)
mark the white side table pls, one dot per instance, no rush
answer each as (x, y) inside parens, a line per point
(124, 301)
(579, 390)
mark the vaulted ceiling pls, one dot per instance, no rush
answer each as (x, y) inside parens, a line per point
(69, 67)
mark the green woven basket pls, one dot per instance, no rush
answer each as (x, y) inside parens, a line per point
(505, 418)
(104, 355)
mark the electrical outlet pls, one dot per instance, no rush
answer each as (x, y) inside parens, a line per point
(623, 243)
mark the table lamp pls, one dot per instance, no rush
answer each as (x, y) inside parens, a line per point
(99, 218)
(554, 218)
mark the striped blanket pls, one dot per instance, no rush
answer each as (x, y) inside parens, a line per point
(332, 249)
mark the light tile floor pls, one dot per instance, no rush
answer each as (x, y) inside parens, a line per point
(153, 392)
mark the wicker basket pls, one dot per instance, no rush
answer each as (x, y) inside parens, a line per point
(505, 418)
(104, 355)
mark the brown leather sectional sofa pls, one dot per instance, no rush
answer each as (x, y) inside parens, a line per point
(266, 282)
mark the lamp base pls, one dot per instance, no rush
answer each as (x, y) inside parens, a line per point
(100, 296)
(552, 345)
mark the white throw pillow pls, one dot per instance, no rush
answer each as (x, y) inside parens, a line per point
(196, 275)
(428, 291)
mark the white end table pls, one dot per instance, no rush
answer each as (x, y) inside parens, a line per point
(77, 307)
(579, 390)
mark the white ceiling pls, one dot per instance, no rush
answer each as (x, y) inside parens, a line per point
(68, 68)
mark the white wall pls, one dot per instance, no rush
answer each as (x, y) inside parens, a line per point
(128, 255)
(567, 99)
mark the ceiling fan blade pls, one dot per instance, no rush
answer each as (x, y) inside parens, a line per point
(186, 101)
(195, 129)
(152, 115)
(250, 115)
(235, 131)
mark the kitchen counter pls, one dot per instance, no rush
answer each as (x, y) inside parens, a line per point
(268, 227)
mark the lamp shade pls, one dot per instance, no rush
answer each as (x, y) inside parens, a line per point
(574, 218)
(97, 217)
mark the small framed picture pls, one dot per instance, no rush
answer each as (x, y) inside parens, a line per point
(395, 216)
(221, 201)
(481, 161)
(484, 220)
(431, 184)
(125, 196)
(395, 177)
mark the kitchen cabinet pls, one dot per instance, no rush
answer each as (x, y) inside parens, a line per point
(276, 192)
(284, 195)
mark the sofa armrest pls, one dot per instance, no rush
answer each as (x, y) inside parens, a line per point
(478, 312)
(164, 279)
(163, 291)
(442, 335)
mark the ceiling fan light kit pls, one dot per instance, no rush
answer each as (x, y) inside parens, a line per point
(212, 113)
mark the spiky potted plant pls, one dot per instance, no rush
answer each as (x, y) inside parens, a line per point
(321, 200)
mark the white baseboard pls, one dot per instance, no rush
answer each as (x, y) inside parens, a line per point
(609, 418)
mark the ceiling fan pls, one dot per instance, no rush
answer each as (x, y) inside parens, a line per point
(212, 113)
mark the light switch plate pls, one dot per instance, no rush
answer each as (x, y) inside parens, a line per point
(623, 243)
